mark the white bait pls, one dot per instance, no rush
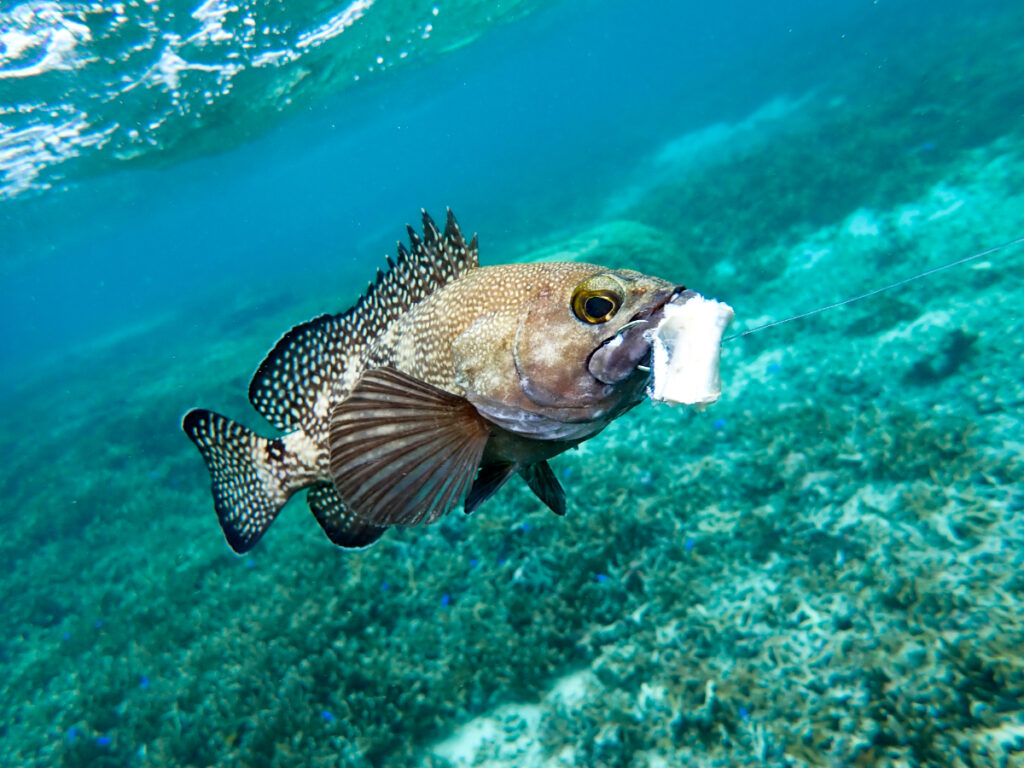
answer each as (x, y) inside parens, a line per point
(686, 348)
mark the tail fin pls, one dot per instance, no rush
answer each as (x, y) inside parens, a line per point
(247, 491)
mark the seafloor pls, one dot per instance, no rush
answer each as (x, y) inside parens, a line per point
(824, 569)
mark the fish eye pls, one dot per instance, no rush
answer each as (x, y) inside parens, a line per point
(596, 300)
(598, 306)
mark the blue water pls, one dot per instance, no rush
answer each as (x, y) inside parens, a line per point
(552, 110)
(822, 569)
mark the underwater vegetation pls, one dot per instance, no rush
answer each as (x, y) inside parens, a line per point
(824, 569)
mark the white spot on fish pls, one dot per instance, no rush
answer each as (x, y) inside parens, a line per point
(322, 406)
(299, 445)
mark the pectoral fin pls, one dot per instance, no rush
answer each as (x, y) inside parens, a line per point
(402, 451)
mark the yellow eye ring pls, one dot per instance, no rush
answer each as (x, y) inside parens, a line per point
(595, 306)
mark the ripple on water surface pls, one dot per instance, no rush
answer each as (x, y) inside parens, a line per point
(86, 84)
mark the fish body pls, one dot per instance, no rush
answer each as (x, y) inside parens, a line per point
(442, 382)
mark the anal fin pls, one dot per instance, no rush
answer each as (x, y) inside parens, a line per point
(342, 527)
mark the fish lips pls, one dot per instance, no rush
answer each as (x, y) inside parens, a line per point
(618, 357)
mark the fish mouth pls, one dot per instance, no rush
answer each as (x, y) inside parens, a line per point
(627, 351)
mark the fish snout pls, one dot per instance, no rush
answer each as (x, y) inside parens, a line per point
(620, 356)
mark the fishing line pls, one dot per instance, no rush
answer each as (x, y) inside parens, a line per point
(890, 286)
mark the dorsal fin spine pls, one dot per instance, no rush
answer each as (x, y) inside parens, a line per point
(450, 227)
(430, 233)
(310, 358)
(414, 240)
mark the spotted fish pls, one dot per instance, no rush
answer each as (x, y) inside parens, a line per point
(441, 383)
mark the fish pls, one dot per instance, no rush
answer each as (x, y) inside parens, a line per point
(441, 383)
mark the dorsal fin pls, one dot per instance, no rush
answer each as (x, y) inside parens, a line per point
(294, 386)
